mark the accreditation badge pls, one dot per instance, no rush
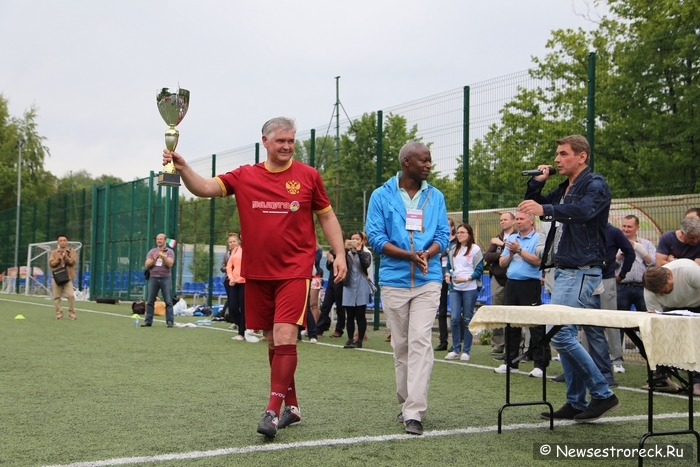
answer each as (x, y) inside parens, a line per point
(414, 219)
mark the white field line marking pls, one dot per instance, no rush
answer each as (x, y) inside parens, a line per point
(340, 346)
(269, 447)
(275, 447)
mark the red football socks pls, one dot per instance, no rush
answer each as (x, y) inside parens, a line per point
(284, 364)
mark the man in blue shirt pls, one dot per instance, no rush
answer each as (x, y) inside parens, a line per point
(523, 287)
(578, 209)
(407, 226)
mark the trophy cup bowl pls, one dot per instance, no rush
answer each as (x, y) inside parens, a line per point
(172, 107)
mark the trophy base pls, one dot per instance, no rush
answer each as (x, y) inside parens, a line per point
(168, 179)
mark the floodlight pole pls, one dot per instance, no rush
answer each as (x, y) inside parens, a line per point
(20, 143)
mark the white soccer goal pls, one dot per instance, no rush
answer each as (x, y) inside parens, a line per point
(35, 277)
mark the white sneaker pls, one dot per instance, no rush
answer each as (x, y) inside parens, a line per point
(464, 357)
(313, 341)
(303, 333)
(556, 358)
(536, 373)
(618, 368)
(452, 356)
(503, 369)
(249, 337)
(238, 337)
(233, 327)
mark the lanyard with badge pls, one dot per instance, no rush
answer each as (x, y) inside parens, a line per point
(414, 219)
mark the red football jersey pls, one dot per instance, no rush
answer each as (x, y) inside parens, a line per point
(276, 209)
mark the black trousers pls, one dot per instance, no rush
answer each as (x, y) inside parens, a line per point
(357, 313)
(334, 295)
(528, 293)
(236, 306)
(442, 314)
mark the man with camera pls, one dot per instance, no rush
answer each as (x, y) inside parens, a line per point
(159, 261)
(63, 256)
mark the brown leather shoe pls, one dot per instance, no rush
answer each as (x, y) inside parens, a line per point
(337, 334)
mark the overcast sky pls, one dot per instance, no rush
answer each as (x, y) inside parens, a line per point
(93, 67)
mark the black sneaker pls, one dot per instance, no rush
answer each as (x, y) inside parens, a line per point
(146, 325)
(399, 417)
(268, 424)
(349, 344)
(597, 408)
(559, 379)
(567, 412)
(442, 347)
(170, 324)
(291, 415)
(414, 427)
(500, 358)
(497, 350)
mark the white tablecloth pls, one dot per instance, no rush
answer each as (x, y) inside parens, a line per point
(668, 340)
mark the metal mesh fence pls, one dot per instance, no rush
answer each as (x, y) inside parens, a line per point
(644, 133)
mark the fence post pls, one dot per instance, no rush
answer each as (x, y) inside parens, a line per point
(312, 149)
(149, 224)
(105, 236)
(590, 124)
(212, 211)
(93, 240)
(175, 232)
(465, 157)
(380, 163)
(81, 264)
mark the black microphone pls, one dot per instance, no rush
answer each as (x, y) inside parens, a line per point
(532, 173)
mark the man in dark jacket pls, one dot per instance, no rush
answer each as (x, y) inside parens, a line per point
(498, 274)
(579, 209)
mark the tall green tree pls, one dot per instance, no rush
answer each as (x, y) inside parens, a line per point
(358, 163)
(37, 183)
(324, 153)
(76, 181)
(647, 103)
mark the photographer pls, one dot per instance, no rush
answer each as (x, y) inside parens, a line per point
(356, 288)
(63, 257)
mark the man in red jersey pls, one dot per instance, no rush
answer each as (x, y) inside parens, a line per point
(276, 201)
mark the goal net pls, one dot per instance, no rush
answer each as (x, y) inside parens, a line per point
(35, 277)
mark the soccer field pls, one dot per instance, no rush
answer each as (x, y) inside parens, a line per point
(98, 392)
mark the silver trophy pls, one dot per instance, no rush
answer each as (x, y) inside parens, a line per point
(172, 107)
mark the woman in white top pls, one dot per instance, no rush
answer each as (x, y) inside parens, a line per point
(466, 267)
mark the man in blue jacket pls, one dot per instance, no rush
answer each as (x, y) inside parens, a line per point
(578, 209)
(407, 226)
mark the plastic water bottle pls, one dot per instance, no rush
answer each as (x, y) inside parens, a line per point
(137, 322)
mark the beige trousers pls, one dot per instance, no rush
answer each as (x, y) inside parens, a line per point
(411, 312)
(66, 289)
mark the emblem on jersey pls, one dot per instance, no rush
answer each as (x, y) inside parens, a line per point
(294, 206)
(293, 187)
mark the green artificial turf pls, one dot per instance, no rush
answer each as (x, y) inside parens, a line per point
(96, 389)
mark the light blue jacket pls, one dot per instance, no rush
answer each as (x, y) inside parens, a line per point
(386, 223)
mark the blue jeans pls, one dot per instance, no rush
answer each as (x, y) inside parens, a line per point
(165, 285)
(628, 295)
(574, 288)
(462, 303)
